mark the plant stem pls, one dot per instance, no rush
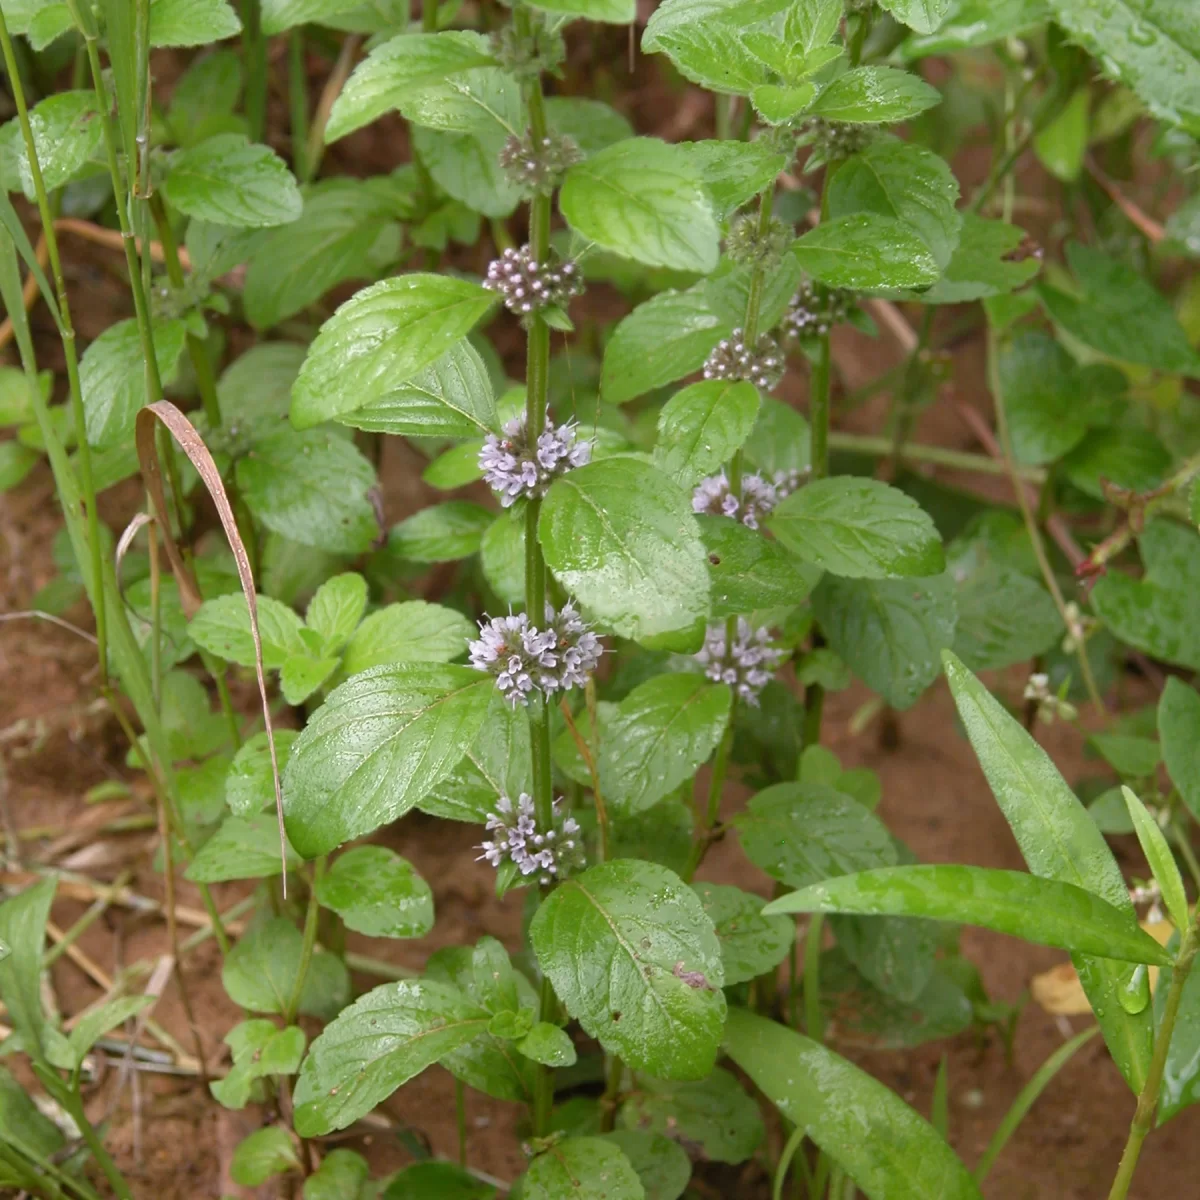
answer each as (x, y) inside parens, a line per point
(1027, 515)
(537, 376)
(1026, 1098)
(812, 977)
(298, 101)
(938, 456)
(206, 381)
(88, 498)
(708, 819)
(309, 943)
(612, 1094)
(1147, 1105)
(254, 62)
(460, 1119)
(766, 207)
(429, 21)
(74, 1105)
(1183, 835)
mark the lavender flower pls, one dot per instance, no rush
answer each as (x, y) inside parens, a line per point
(513, 468)
(815, 310)
(527, 285)
(763, 364)
(550, 854)
(747, 665)
(522, 657)
(759, 497)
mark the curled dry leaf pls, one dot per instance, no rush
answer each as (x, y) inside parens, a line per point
(192, 444)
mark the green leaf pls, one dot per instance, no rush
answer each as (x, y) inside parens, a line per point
(312, 487)
(890, 632)
(659, 736)
(376, 746)
(341, 1176)
(903, 181)
(970, 23)
(243, 848)
(434, 1180)
(249, 784)
(922, 15)
(642, 199)
(875, 95)
(713, 1113)
(23, 929)
(780, 440)
(546, 1043)
(260, 972)
(1040, 383)
(265, 1153)
(1154, 613)
(866, 252)
(1004, 617)
(377, 893)
(1161, 859)
(1131, 458)
(441, 533)
(615, 12)
(336, 609)
(859, 528)
(662, 1165)
(802, 833)
(664, 339)
(591, 124)
(778, 105)
(381, 337)
(376, 1044)
(340, 235)
(751, 943)
(1152, 46)
(412, 631)
(582, 1168)
(621, 537)
(222, 627)
(112, 377)
(68, 1053)
(709, 52)
(66, 133)
(1058, 841)
(191, 22)
(1045, 911)
(16, 461)
(255, 390)
(884, 1146)
(231, 181)
(451, 398)
(1062, 144)
(396, 73)
(466, 166)
(1179, 730)
(732, 172)
(750, 571)
(1120, 313)
(868, 1017)
(983, 263)
(260, 1048)
(636, 961)
(728, 294)
(702, 426)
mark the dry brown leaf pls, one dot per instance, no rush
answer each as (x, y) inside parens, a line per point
(192, 444)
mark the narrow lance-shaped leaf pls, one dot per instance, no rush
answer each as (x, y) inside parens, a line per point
(888, 1149)
(1161, 859)
(1039, 910)
(1059, 841)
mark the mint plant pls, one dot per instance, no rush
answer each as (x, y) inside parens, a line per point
(654, 567)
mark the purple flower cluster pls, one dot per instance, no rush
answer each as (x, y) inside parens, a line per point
(513, 468)
(527, 285)
(538, 167)
(815, 310)
(759, 496)
(550, 853)
(524, 658)
(762, 364)
(747, 666)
